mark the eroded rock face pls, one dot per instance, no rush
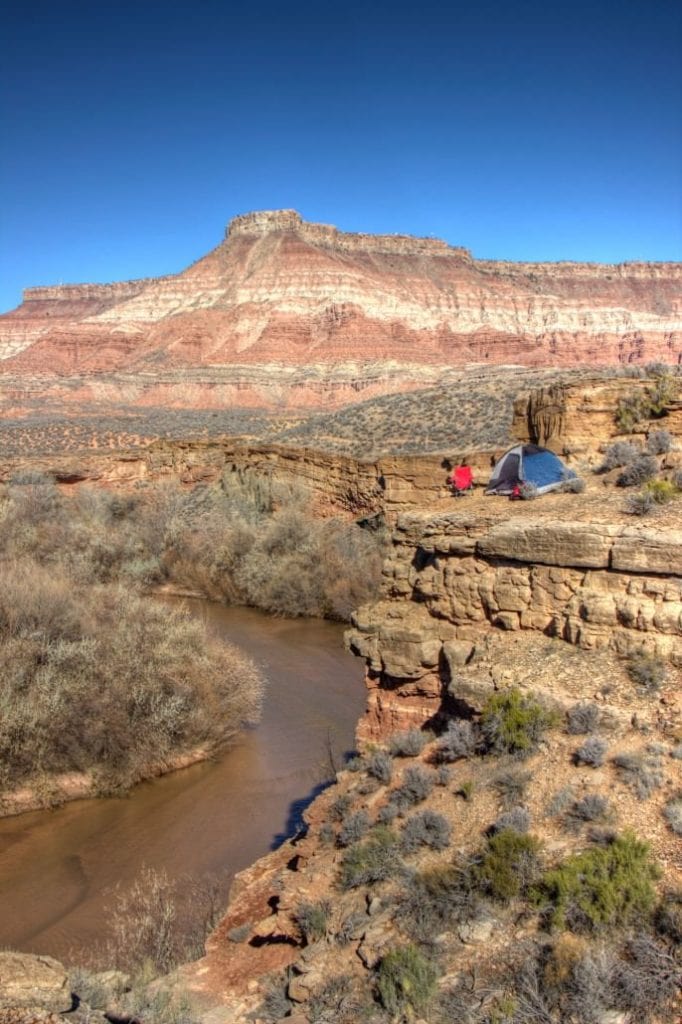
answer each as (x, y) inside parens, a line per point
(279, 291)
(453, 578)
(38, 982)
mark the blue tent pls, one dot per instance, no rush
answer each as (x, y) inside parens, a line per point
(527, 463)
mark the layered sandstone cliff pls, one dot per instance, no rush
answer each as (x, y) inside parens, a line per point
(281, 292)
(454, 578)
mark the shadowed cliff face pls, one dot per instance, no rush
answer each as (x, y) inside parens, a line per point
(283, 292)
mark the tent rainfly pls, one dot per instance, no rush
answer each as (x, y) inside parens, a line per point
(529, 464)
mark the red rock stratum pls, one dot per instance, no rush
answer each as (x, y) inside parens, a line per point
(279, 292)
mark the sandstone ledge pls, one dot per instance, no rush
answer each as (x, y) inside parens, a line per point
(452, 579)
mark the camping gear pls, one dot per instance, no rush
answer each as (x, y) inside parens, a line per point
(461, 480)
(528, 464)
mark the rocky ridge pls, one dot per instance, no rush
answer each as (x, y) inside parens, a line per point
(280, 292)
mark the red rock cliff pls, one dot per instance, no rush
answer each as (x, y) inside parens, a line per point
(281, 291)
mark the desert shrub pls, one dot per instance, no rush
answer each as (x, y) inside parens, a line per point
(425, 828)
(434, 900)
(673, 813)
(508, 865)
(589, 982)
(91, 989)
(645, 403)
(354, 827)
(416, 785)
(572, 485)
(340, 806)
(659, 442)
(592, 807)
(528, 490)
(406, 981)
(582, 718)
(355, 763)
(605, 887)
(647, 671)
(661, 491)
(630, 410)
(338, 1001)
(157, 923)
(157, 1005)
(380, 766)
(511, 785)
(352, 926)
(591, 753)
(560, 801)
(513, 723)
(646, 979)
(517, 819)
(276, 1003)
(642, 774)
(312, 919)
(622, 453)
(668, 916)
(657, 369)
(98, 679)
(443, 775)
(676, 752)
(638, 472)
(375, 860)
(458, 741)
(466, 789)
(409, 743)
(388, 813)
(641, 504)
(327, 834)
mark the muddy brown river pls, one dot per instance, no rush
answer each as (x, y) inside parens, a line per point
(57, 868)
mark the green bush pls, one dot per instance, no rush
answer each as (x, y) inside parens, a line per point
(508, 865)
(406, 981)
(606, 887)
(313, 919)
(645, 404)
(375, 860)
(661, 491)
(513, 723)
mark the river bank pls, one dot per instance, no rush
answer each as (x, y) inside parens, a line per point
(58, 868)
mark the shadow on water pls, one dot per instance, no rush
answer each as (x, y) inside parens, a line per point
(295, 823)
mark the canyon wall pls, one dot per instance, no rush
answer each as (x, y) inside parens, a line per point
(452, 579)
(282, 292)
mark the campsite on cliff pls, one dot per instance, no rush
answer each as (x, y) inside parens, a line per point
(341, 513)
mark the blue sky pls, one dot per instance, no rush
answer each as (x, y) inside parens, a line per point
(132, 132)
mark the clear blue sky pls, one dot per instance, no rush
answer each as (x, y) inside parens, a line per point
(132, 132)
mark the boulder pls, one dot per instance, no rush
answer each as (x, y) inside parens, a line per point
(35, 981)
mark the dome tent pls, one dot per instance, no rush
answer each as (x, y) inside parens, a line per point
(528, 464)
